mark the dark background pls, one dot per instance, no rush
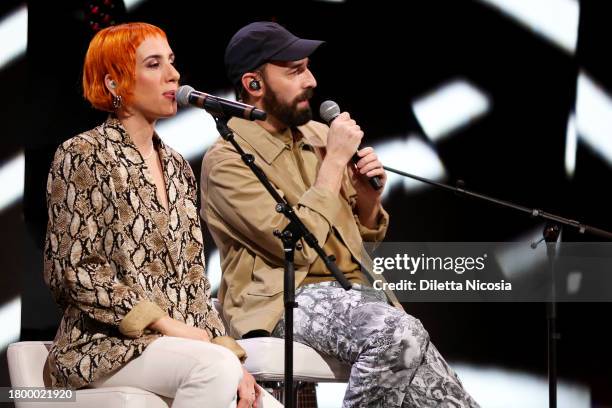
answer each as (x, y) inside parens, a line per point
(379, 57)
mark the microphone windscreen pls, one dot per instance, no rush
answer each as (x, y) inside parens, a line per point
(329, 110)
(182, 95)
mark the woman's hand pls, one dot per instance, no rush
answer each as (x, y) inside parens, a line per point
(248, 391)
(174, 328)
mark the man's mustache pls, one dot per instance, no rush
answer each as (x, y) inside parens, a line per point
(308, 94)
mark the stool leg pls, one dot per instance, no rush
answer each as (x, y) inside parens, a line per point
(307, 395)
(306, 392)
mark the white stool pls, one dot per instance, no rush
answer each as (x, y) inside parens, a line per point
(265, 361)
(26, 360)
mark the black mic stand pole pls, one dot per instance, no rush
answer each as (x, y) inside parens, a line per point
(290, 236)
(550, 235)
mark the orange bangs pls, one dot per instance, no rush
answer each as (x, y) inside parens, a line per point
(112, 51)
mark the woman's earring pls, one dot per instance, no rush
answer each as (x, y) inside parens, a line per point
(116, 101)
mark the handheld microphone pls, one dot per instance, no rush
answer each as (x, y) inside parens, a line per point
(329, 111)
(217, 106)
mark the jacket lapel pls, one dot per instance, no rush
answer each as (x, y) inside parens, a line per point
(141, 181)
(170, 219)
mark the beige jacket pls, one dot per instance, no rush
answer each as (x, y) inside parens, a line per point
(241, 217)
(114, 259)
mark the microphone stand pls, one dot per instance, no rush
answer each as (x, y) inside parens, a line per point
(550, 235)
(289, 236)
(534, 212)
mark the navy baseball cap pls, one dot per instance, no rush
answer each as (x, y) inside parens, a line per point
(260, 42)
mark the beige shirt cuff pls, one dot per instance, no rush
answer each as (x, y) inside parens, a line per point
(141, 315)
(323, 202)
(231, 344)
(377, 234)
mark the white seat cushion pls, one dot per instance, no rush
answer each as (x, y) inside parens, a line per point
(266, 359)
(266, 362)
(26, 360)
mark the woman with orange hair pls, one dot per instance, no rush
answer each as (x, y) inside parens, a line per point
(124, 250)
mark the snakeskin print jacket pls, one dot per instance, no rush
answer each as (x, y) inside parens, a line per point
(114, 259)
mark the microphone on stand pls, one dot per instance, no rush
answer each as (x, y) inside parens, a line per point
(217, 106)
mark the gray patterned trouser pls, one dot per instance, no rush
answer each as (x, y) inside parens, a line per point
(393, 362)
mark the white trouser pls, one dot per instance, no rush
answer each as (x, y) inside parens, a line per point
(193, 373)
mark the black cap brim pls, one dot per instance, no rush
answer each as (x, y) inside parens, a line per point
(297, 50)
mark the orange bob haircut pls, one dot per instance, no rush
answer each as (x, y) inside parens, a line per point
(112, 51)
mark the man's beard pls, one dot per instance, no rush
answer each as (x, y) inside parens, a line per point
(289, 114)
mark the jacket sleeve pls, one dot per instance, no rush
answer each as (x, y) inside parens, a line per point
(80, 243)
(236, 198)
(374, 234)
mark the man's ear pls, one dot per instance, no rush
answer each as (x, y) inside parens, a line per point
(252, 83)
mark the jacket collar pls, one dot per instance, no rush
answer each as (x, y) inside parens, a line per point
(268, 145)
(114, 131)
